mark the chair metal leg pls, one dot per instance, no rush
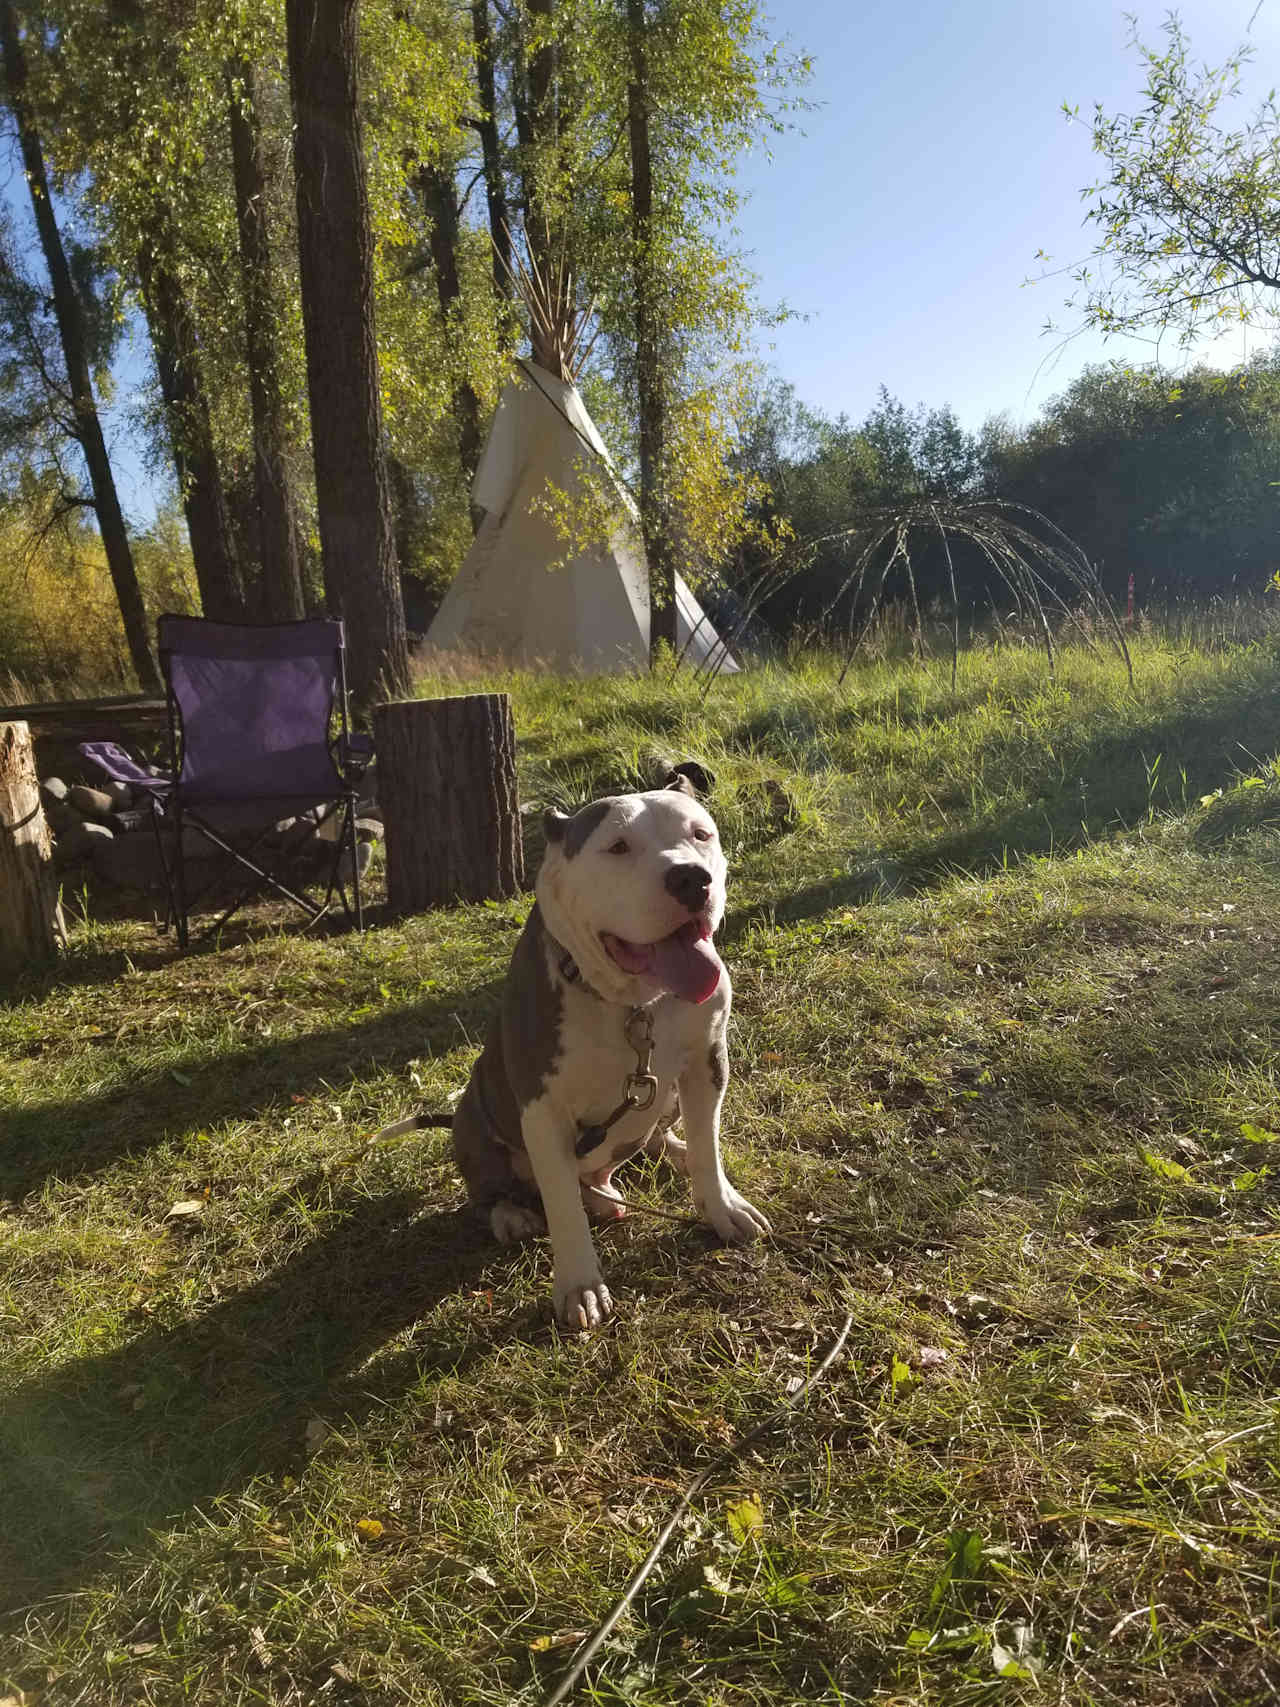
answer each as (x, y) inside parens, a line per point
(262, 879)
(180, 874)
(170, 906)
(355, 863)
(346, 842)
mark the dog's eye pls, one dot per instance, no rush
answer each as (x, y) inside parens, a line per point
(619, 847)
(701, 835)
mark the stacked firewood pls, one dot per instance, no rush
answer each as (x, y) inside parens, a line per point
(111, 827)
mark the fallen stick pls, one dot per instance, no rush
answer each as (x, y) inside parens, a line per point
(602, 1631)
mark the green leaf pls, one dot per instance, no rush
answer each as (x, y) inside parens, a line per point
(1248, 1181)
(1166, 1169)
(1258, 1134)
(963, 1567)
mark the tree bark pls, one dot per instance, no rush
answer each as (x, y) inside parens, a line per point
(31, 926)
(447, 788)
(435, 186)
(654, 518)
(335, 255)
(282, 594)
(495, 189)
(204, 501)
(75, 351)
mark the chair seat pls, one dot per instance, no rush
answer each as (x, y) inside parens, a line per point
(238, 817)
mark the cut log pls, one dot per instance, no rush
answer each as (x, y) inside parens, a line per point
(447, 788)
(31, 926)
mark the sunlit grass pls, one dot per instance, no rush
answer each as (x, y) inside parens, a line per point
(1005, 1052)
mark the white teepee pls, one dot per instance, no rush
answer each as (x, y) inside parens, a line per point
(589, 614)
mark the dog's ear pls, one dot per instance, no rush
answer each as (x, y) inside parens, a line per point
(570, 831)
(690, 778)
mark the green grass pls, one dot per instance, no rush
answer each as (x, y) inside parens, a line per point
(1006, 1044)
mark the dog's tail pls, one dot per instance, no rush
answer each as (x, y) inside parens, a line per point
(413, 1123)
(392, 1135)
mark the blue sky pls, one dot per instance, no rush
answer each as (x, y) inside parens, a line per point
(904, 212)
(899, 217)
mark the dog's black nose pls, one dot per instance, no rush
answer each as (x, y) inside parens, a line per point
(690, 883)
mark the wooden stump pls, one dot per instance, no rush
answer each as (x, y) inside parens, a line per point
(30, 917)
(447, 788)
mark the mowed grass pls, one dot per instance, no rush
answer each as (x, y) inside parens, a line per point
(1006, 1037)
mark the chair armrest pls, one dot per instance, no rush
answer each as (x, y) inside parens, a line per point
(120, 767)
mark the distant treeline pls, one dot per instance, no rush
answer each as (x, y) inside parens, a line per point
(1174, 480)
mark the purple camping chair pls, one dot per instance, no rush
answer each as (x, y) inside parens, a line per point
(252, 716)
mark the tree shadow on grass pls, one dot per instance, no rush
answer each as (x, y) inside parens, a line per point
(81, 1135)
(103, 1448)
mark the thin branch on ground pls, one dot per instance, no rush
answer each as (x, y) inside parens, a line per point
(571, 1677)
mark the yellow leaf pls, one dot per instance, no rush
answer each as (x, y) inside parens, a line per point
(746, 1517)
(369, 1528)
(565, 1639)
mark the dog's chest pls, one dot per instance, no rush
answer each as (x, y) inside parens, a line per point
(595, 1058)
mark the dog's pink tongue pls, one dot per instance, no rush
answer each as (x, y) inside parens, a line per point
(686, 963)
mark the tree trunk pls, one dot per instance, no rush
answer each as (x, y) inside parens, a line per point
(654, 519)
(75, 351)
(30, 918)
(435, 186)
(447, 788)
(204, 502)
(282, 595)
(495, 190)
(335, 255)
(538, 133)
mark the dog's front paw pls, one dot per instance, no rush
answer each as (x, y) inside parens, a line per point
(737, 1221)
(581, 1307)
(512, 1222)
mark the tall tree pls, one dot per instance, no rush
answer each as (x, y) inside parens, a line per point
(69, 310)
(655, 521)
(628, 116)
(282, 596)
(486, 125)
(177, 353)
(1187, 213)
(335, 252)
(436, 187)
(542, 103)
(129, 93)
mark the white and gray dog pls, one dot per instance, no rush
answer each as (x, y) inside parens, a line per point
(614, 1013)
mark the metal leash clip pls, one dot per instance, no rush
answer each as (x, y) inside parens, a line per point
(641, 1087)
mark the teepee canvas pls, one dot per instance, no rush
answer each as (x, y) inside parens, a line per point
(590, 614)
